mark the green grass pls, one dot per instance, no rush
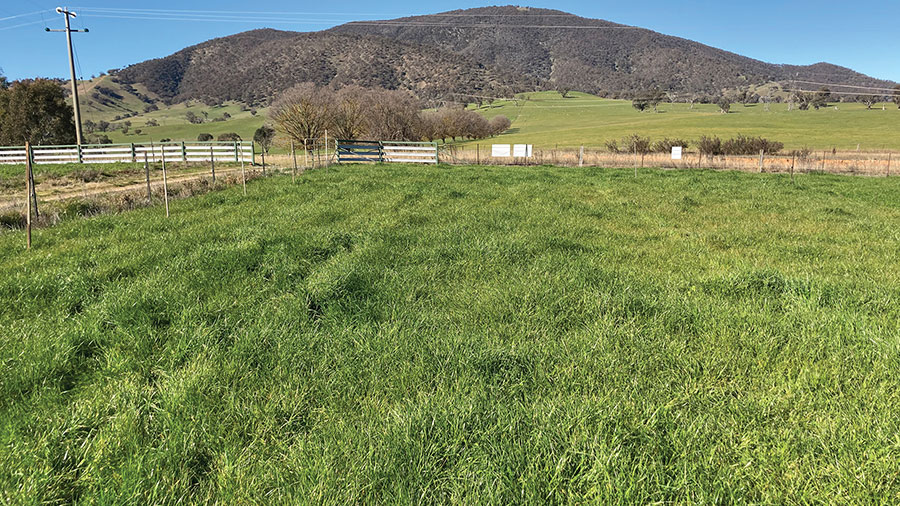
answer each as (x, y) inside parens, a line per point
(547, 120)
(173, 125)
(461, 334)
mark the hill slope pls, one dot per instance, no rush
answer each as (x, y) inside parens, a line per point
(490, 50)
(254, 66)
(592, 55)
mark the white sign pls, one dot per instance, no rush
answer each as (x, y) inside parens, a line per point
(676, 152)
(522, 150)
(501, 151)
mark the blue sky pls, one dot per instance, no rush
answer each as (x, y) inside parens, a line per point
(798, 32)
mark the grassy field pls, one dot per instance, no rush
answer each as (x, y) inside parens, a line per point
(547, 119)
(461, 334)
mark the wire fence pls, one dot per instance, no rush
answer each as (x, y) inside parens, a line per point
(140, 177)
(833, 162)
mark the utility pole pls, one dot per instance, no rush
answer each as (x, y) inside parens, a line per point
(69, 14)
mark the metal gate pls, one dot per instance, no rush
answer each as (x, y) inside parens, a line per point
(387, 151)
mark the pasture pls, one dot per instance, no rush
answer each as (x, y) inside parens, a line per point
(546, 120)
(461, 334)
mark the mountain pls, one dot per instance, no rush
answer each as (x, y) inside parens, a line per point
(255, 66)
(484, 51)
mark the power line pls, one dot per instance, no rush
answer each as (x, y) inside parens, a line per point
(853, 93)
(21, 25)
(23, 15)
(235, 18)
(180, 11)
(845, 85)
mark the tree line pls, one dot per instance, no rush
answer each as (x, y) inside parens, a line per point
(305, 112)
(802, 100)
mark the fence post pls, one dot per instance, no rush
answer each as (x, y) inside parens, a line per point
(165, 181)
(635, 160)
(243, 177)
(326, 149)
(437, 154)
(29, 156)
(212, 163)
(793, 159)
(133, 154)
(80, 159)
(294, 158)
(183, 153)
(253, 152)
(28, 194)
(762, 154)
(581, 156)
(478, 154)
(236, 151)
(147, 174)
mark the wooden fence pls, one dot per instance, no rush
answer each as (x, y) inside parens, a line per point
(116, 153)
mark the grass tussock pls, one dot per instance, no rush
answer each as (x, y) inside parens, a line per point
(461, 335)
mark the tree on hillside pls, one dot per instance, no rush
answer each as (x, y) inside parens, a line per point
(869, 100)
(724, 105)
(35, 111)
(205, 137)
(654, 98)
(193, 118)
(563, 90)
(229, 137)
(820, 99)
(500, 124)
(896, 96)
(640, 104)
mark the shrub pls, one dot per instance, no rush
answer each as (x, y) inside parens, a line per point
(666, 145)
(710, 146)
(204, 137)
(742, 145)
(803, 153)
(634, 143)
(229, 137)
(12, 219)
(613, 146)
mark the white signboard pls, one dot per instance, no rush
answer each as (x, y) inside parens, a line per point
(676, 152)
(501, 151)
(522, 150)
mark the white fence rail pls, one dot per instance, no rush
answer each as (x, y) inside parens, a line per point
(129, 153)
(425, 152)
(387, 151)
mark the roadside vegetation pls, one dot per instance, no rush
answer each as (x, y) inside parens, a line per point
(461, 334)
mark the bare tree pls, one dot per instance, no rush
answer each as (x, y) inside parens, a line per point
(393, 115)
(303, 113)
(500, 124)
(348, 120)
